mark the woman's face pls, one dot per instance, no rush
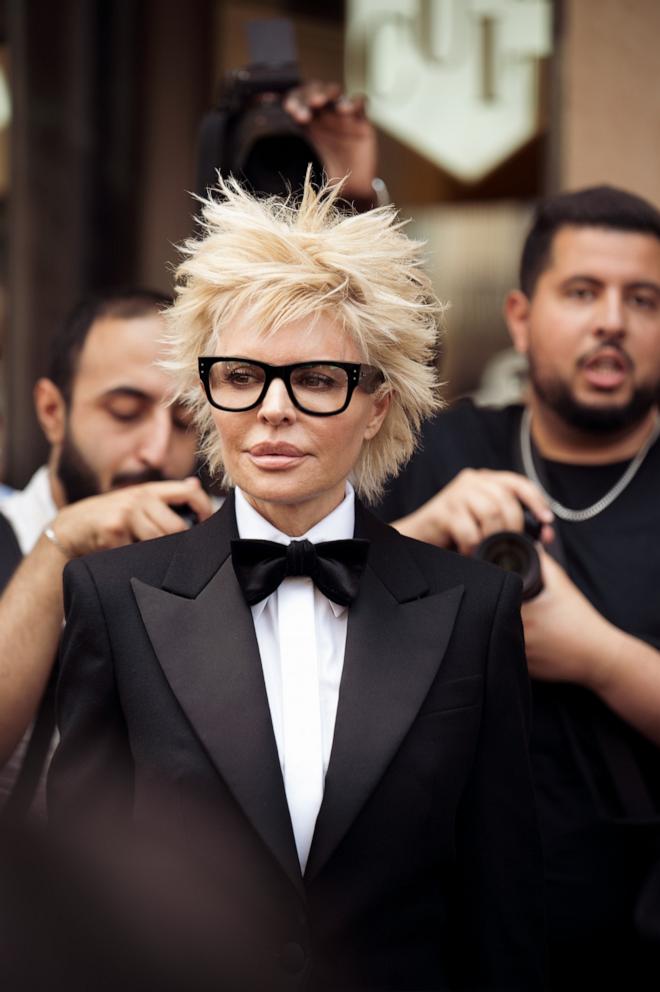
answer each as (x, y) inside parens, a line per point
(293, 466)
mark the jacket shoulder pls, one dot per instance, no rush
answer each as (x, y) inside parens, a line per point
(439, 563)
(149, 560)
(440, 568)
(130, 559)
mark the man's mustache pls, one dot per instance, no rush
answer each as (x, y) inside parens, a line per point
(123, 479)
(610, 346)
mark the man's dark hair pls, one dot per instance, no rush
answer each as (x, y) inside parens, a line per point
(67, 343)
(597, 206)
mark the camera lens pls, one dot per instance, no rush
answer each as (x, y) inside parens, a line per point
(270, 151)
(516, 553)
(186, 512)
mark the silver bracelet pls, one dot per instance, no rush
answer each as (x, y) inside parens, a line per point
(54, 539)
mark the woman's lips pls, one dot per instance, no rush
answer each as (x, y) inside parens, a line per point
(276, 456)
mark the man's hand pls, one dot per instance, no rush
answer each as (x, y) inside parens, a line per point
(474, 505)
(340, 132)
(31, 607)
(567, 640)
(122, 516)
(564, 634)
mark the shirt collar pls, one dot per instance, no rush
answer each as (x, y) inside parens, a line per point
(339, 525)
(31, 509)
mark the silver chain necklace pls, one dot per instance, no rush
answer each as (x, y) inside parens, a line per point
(565, 512)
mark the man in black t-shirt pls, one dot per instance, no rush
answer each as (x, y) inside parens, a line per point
(584, 457)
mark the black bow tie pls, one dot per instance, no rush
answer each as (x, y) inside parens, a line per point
(334, 567)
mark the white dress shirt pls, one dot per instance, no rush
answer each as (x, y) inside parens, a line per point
(30, 510)
(302, 700)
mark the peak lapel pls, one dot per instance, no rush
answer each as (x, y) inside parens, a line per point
(394, 649)
(208, 650)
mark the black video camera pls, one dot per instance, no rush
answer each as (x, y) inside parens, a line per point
(515, 551)
(248, 134)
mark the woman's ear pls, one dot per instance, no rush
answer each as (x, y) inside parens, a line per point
(51, 411)
(379, 410)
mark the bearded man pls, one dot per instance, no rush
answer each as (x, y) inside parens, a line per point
(583, 456)
(120, 459)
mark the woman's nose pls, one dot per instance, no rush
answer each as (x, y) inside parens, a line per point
(276, 405)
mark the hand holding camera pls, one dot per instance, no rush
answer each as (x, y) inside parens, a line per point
(478, 504)
(268, 126)
(341, 133)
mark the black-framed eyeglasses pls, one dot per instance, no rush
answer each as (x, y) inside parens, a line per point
(322, 388)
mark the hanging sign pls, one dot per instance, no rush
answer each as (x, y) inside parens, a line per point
(457, 80)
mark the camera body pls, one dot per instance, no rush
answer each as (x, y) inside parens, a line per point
(515, 551)
(186, 512)
(249, 134)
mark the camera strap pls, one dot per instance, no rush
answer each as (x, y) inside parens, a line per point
(616, 763)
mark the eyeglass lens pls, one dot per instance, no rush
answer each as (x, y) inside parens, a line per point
(319, 388)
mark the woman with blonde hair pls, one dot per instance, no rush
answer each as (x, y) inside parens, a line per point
(334, 716)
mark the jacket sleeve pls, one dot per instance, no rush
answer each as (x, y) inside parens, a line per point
(501, 883)
(91, 775)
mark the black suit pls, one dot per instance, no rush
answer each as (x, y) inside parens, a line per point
(424, 871)
(22, 777)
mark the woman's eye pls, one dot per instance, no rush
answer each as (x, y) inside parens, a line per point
(241, 377)
(316, 381)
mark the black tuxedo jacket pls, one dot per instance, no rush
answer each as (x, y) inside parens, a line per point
(425, 869)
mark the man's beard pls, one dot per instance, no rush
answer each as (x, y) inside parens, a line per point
(593, 419)
(79, 481)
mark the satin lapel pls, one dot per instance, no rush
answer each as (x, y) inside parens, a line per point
(208, 651)
(393, 652)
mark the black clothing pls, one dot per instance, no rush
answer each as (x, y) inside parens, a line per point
(23, 775)
(611, 558)
(10, 552)
(597, 780)
(425, 868)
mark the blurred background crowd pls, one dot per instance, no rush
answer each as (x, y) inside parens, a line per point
(481, 106)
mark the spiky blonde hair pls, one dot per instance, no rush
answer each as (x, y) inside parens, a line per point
(276, 260)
